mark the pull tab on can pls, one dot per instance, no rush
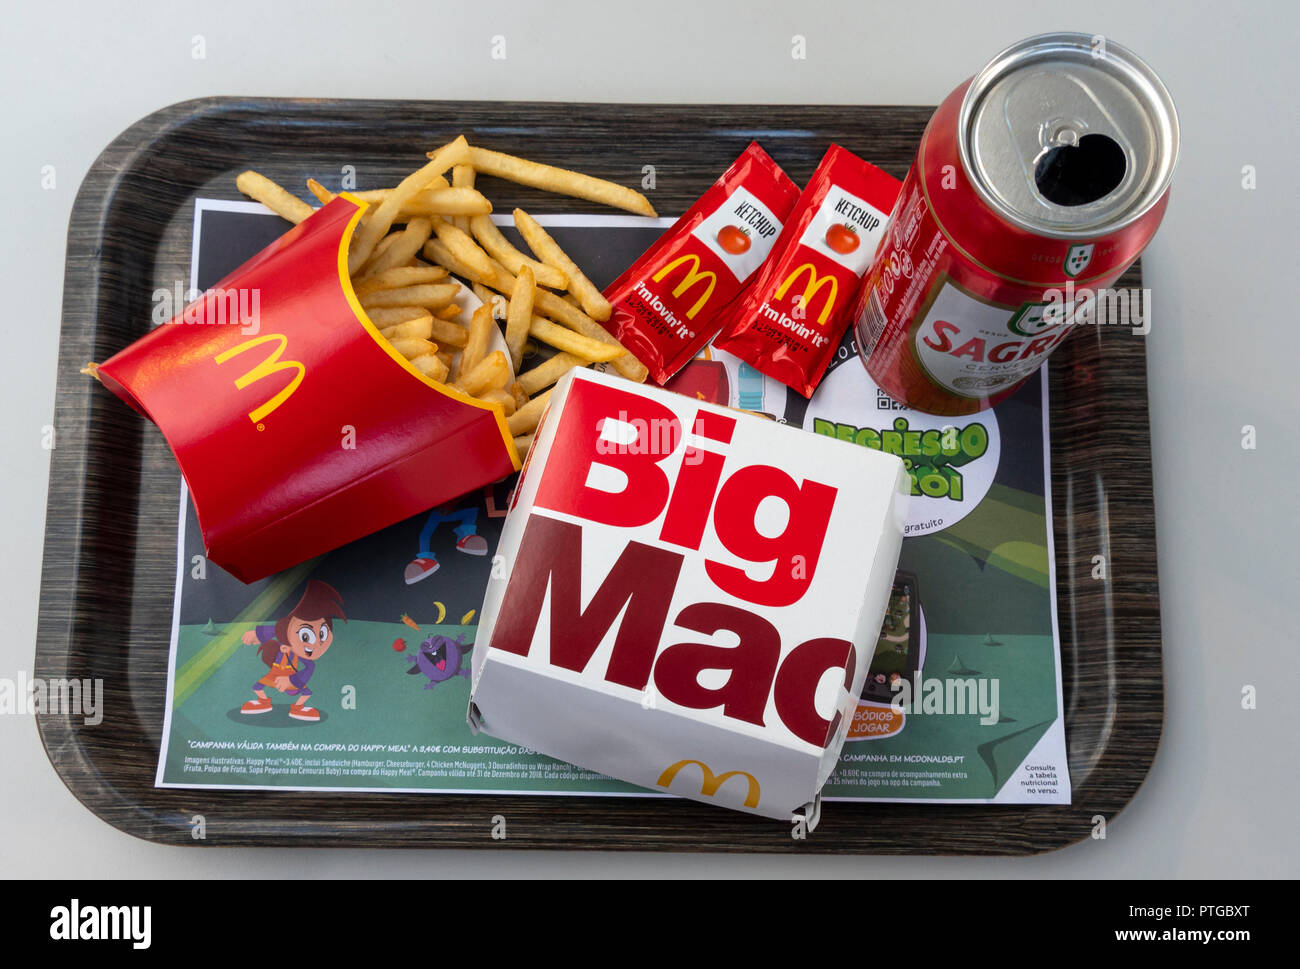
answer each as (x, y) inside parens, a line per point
(1066, 138)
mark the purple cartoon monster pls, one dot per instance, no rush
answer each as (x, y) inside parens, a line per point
(440, 659)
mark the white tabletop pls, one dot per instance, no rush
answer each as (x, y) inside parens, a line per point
(1220, 800)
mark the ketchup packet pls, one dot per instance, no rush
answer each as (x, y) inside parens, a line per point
(666, 305)
(790, 320)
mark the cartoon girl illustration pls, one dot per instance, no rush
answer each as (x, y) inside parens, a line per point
(292, 647)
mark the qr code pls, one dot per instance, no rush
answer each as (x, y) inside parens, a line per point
(885, 402)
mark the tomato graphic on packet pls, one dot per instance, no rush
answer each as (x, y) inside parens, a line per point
(842, 239)
(733, 239)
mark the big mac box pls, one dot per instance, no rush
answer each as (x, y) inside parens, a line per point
(687, 597)
(297, 427)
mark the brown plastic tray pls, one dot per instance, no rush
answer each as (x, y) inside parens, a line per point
(110, 552)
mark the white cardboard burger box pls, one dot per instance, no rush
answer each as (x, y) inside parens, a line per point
(687, 597)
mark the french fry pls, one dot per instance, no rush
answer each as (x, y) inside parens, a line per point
(521, 398)
(463, 247)
(428, 295)
(376, 196)
(522, 443)
(398, 277)
(372, 195)
(384, 317)
(431, 365)
(545, 303)
(261, 189)
(526, 418)
(498, 278)
(548, 372)
(557, 308)
(404, 246)
(420, 328)
(558, 180)
(451, 311)
(562, 338)
(450, 202)
(449, 334)
(411, 348)
(377, 226)
(323, 195)
(502, 398)
(549, 251)
(519, 316)
(385, 244)
(495, 300)
(481, 326)
(500, 249)
(440, 255)
(491, 372)
(553, 307)
(462, 176)
(445, 357)
(438, 199)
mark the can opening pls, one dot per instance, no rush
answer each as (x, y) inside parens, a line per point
(1076, 174)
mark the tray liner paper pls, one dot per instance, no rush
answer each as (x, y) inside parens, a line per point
(297, 427)
(971, 617)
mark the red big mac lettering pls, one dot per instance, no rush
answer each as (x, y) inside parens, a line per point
(632, 449)
(586, 440)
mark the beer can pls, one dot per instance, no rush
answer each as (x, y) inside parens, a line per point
(1037, 183)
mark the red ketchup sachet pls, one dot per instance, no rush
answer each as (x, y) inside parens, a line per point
(789, 322)
(667, 305)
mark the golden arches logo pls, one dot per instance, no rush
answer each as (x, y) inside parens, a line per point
(815, 283)
(269, 365)
(691, 277)
(710, 782)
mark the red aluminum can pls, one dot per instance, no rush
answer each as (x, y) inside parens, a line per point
(1037, 183)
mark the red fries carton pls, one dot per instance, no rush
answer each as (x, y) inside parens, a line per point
(789, 322)
(298, 428)
(666, 305)
(687, 597)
